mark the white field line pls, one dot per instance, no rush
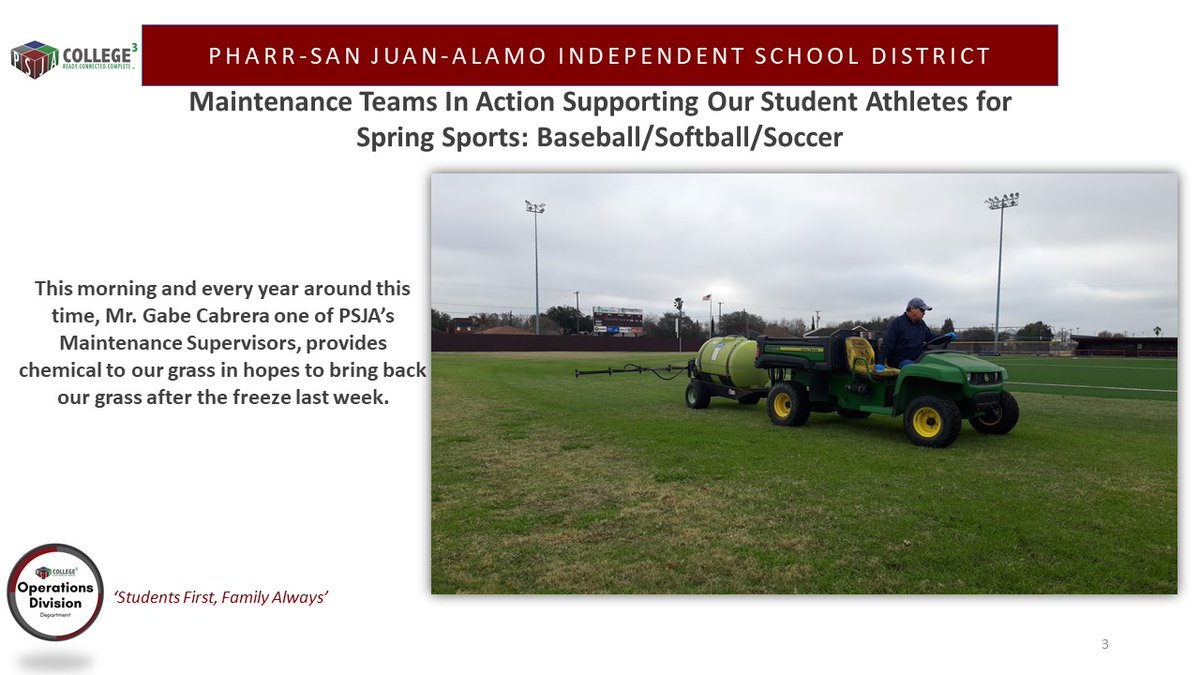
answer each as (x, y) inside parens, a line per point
(1043, 364)
(1092, 386)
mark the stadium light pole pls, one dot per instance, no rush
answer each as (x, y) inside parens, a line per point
(678, 321)
(577, 312)
(535, 209)
(993, 203)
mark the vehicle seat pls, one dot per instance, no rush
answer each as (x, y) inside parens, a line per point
(861, 357)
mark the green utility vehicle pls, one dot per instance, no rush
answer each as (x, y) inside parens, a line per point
(837, 374)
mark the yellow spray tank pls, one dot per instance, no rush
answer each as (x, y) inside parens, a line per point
(724, 367)
(730, 361)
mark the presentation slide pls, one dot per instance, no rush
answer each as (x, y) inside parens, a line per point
(645, 338)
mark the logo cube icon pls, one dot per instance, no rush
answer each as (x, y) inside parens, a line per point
(34, 58)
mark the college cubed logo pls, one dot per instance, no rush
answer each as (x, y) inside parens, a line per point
(42, 572)
(34, 58)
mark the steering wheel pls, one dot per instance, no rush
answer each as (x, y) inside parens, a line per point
(938, 341)
(933, 345)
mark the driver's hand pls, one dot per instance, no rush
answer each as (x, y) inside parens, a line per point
(952, 335)
(879, 367)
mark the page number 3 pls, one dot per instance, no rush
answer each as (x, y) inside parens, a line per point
(1104, 643)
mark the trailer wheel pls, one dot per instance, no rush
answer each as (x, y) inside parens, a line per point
(1001, 419)
(697, 395)
(932, 421)
(853, 414)
(787, 405)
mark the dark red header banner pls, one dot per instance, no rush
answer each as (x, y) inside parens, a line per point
(599, 55)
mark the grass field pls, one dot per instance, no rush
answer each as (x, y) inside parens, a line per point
(1154, 379)
(544, 483)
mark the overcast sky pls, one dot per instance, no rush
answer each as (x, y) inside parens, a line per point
(1081, 251)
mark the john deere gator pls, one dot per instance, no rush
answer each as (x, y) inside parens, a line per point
(836, 374)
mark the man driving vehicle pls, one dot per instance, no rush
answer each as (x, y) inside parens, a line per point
(906, 337)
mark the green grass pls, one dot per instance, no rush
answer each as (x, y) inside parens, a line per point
(544, 483)
(1154, 379)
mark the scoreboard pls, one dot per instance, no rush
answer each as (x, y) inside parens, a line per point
(622, 321)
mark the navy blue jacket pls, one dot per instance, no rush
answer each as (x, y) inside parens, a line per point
(903, 340)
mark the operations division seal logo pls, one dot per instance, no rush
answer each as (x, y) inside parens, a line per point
(55, 592)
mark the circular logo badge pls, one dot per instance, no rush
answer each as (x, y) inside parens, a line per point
(55, 592)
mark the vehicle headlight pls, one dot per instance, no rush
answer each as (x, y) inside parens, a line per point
(986, 378)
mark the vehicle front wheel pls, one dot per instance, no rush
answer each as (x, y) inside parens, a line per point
(787, 405)
(1001, 419)
(932, 421)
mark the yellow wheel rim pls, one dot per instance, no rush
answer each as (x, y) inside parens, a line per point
(782, 405)
(927, 422)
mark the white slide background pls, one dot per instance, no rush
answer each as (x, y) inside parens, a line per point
(107, 181)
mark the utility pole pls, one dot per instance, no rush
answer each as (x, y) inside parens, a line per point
(535, 209)
(577, 312)
(993, 203)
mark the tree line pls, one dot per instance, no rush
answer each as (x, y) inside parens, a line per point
(567, 320)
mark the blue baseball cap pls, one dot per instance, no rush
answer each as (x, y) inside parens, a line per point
(919, 304)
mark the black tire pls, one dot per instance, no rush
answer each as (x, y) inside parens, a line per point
(696, 396)
(787, 405)
(932, 421)
(999, 420)
(749, 400)
(853, 414)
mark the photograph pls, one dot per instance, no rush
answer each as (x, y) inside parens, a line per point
(804, 383)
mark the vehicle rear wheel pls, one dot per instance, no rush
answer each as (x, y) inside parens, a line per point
(697, 395)
(853, 414)
(1001, 419)
(787, 404)
(932, 421)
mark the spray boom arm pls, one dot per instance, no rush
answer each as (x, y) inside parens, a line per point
(632, 368)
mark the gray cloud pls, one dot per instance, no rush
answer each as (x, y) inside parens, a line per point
(1088, 251)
